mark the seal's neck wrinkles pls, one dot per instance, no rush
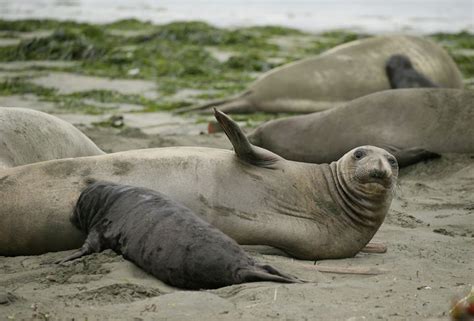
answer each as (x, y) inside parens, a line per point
(361, 208)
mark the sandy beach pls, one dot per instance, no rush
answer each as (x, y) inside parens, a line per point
(429, 231)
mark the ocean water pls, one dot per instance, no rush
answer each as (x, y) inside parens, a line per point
(374, 16)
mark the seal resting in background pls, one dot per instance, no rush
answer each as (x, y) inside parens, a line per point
(254, 196)
(164, 238)
(401, 74)
(339, 75)
(29, 136)
(413, 124)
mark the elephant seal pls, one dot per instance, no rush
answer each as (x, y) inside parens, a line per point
(339, 75)
(29, 136)
(413, 124)
(401, 74)
(254, 196)
(164, 238)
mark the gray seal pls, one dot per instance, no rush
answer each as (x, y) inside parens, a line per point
(29, 136)
(252, 195)
(164, 238)
(339, 75)
(413, 124)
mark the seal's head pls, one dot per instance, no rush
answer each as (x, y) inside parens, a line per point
(398, 62)
(369, 171)
(396, 65)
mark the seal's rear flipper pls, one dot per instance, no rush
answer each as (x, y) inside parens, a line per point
(267, 273)
(410, 156)
(238, 104)
(243, 148)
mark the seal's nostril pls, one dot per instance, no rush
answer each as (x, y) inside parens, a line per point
(377, 173)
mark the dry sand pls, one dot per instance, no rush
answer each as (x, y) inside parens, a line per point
(429, 233)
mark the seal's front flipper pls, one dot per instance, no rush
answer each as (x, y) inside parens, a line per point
(84, 250)
(410, 156)
(89, 246)
(243, 148)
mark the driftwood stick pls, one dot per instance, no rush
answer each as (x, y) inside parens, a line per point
(374, 248)
(347, 270)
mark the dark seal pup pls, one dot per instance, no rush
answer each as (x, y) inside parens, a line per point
(402, 74)
(164, 238)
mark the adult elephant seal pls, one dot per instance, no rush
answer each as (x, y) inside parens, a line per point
(254, 196)
(28, 136)
(164, 238)
(339, 75)
(413, 124)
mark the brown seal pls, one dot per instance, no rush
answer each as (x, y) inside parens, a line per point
(252, 195)
(29, 136)
(413, 124)
(346, 72)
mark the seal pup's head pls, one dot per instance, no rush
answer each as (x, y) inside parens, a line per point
(368, 171)
(401, 74)
(397, 62)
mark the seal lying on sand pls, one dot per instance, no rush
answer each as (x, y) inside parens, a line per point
(413, 124)
(164, 238)
(401, 74)
(339, 75)
(29, 136)
(254, 196)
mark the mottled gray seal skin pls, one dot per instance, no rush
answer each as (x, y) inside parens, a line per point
(28, 136)
(344, 73)
(254, 196)
(401, 74)
(164, 238)
(413, 124)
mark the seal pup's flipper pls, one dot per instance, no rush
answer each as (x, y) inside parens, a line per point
(91, 245)
(238, 104)
(410, 156)
(261, 272)
(243, 148)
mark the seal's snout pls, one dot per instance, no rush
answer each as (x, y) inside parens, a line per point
(382, 169)
(378, 173)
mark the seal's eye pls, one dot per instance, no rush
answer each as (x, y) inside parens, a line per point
(358, 154)
(392, 161)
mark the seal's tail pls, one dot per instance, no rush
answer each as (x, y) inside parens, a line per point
(267, 273)
(239, 104)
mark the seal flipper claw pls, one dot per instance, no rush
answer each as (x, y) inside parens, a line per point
(410, 156)
(243, 148)
(91, 245)
(84, 250)
(267, 273)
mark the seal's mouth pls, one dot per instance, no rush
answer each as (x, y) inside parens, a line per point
(386, 183)
(377, 183)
